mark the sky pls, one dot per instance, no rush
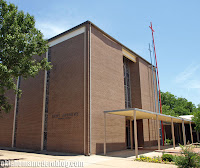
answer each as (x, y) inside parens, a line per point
(176, 24)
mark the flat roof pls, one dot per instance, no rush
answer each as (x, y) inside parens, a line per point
(144, 114)
(89, 22)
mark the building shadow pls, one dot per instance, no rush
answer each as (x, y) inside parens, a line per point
(128, 153)
(39, 152)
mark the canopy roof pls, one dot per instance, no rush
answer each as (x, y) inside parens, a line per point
(144, 114)
(188, 117)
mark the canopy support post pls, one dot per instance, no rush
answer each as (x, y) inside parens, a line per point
(135, 135)
(184, 137)
(172, 127)
(191, 132)
(158, 131)
(104, 133)
(131, 133)
(197, 136)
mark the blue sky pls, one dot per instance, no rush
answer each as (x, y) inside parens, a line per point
(176, 25)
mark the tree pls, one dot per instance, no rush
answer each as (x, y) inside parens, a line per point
(176, 106)
(19, 42)
(196, 118)
(167, 110)
(198, 107)
(168, 99)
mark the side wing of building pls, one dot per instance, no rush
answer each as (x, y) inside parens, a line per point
(52, 110)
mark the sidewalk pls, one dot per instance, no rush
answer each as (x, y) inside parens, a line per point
(114, 159)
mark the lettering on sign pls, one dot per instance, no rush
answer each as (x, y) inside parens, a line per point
(65, 115)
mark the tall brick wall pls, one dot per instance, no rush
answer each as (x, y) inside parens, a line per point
(148, 102)
(107, 92)
(29, 118)
(136, 95)
(135, 84)
(65, 132)
(6, 123)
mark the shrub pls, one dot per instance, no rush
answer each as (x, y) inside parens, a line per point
(168, 141)
(188, 159)
(149, 159)
(142, 156)
(167, 157)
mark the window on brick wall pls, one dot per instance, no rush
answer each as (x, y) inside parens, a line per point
(127, 87)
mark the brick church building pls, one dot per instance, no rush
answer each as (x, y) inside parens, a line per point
(62, 109)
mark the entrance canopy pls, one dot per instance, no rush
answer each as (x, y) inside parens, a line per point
(143, 114)
(135, 114)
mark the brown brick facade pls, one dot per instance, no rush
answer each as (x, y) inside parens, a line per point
(148, 102)
(29, 118)
(70, 88)
(6, 123)
(107, 91)
(66, 102)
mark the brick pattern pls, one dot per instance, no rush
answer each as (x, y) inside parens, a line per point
(110, 147)
(135, 84)
(29, 119)
(148, 101)
(66, 99)
(136, 96)
(6, 123)
(107, 91)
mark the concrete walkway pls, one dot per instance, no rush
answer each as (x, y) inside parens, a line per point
(114, 159)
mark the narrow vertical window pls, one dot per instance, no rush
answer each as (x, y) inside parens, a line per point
(16, 114)
(46, 104)
(127, 88)
(128, 104)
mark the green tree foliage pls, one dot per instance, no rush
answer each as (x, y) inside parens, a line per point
(176, 106)
(196, 118)
(198, 107)
(19, 42)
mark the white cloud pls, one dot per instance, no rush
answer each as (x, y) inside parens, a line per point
(193, 84)
(51, 29)
(188, 83)
(187, 74)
